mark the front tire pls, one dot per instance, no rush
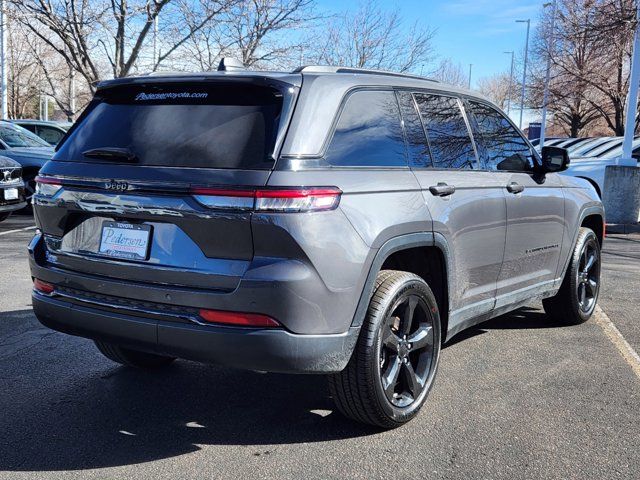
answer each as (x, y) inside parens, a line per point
(394, 363)
(577, 298)
(132, 358)
(4, 216)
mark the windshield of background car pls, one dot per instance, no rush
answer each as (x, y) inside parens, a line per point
(18, 137)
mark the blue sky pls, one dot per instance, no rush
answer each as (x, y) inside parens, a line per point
(468, 31)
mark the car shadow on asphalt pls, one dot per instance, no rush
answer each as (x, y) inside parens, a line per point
(524, 318)
(77, 410)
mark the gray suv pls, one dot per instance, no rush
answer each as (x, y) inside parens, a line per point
(327, 220)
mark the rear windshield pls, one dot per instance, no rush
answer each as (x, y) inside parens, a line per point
(200, 126)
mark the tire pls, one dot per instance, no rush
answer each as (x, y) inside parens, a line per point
(385, 351)
(577, 298)
(132, 358)
(4, 216)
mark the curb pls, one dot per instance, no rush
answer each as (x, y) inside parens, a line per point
(623, 228)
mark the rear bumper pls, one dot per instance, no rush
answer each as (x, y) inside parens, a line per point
(273, 350)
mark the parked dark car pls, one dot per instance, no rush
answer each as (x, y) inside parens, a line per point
(11, 187)
(50, 131)
(26, 148)
(326, 220)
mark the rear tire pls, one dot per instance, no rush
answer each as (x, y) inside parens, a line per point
(393, 366)
(576, 300)
(133, 358)
(4, 216)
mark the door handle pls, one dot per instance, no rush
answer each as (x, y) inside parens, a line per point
(514, 187)
(442, 190)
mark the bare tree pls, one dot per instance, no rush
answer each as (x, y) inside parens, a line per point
(373, 38)
(97, 36)
(590, 53)
(24, 76)
(452, 73)
(255, 30)
(496, 88)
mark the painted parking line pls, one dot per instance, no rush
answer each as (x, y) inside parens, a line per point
(18, 230)
(626, 350)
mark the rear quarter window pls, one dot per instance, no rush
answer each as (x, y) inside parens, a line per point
(191, 125)
(368, 132)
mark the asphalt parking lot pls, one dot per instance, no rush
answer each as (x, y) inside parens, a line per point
(516, 397)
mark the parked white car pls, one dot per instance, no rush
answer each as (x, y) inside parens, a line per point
(593, 168)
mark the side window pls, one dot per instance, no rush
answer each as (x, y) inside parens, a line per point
(50, 135)
(500, 145)
(416, 139)
(369, 132)
(449, 139)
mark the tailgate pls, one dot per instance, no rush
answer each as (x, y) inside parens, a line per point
(120, 198)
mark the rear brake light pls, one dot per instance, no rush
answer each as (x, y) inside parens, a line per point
(270, 200)
(297, 200)
(227, 199)
(238, 319)
(47, 186)
(43, 287)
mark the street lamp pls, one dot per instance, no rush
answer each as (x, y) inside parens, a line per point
(524, 70)
(545, 96)
(513, 59)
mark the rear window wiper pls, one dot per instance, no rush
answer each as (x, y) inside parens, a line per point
(112, 153)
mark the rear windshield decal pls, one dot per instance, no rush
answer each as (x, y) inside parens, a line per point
(145, 97)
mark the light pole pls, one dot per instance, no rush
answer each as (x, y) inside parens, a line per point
(470, 68)
(513, 59)
(524, 69)
(632, 97)
(3, 60)
(621, 194)
(547, 79)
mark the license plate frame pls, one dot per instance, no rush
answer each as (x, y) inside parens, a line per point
(125, 241)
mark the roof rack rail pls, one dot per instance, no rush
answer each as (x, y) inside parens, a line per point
(330, 69)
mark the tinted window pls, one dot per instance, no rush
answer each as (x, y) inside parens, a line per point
(500, 145)
(369, 132)
(413, 129)
(191, 125)
(28, 126)
(449, 139)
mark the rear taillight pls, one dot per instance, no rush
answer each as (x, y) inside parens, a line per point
(238, 319)
(47, 186)
(270, 200)
(43, 287)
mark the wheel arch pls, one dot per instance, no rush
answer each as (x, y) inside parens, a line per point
(591, 217)
(596, 223)
(594, 184)
(424, 254)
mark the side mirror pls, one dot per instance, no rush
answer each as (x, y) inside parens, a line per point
(554, 159)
